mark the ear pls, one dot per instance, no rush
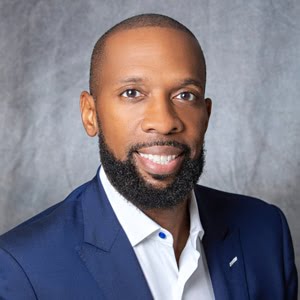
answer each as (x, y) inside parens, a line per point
(88, 113)
(208, 104)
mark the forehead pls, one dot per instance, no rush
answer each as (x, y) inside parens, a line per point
(152, 50)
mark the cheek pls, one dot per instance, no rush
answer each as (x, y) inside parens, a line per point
(118, 128)
(195, 128)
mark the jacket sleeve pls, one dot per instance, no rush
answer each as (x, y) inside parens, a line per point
(14, 284)
(290, 271)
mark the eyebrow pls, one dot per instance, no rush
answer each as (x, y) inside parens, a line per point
(190, 81)
(180, 83)
(132, 80)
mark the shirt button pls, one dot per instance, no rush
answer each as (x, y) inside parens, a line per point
(162, 235)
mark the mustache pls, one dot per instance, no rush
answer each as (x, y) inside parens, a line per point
(135, 148)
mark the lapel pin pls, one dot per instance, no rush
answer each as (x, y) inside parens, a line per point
(234, 260)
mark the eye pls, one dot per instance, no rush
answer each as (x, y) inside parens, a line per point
(131, 93)
(187, 96)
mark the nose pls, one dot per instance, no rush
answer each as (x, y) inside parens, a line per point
(161, 117)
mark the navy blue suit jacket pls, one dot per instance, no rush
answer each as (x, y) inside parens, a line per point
(78, 250)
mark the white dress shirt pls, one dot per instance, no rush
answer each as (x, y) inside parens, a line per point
(153, 246)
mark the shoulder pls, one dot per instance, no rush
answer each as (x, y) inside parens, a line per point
(59, 222)
(257, 220)
(219, 197)
(237, 207)
(44, 247)
(259, 223)
(263, 232)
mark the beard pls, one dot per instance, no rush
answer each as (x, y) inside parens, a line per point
(126, 179)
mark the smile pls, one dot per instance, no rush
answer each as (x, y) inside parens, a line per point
(159, 159)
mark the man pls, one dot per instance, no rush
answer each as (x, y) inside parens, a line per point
(142, 228)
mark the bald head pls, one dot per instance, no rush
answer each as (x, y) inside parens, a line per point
(139, 21)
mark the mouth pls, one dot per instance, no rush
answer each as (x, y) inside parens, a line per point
(159, 160)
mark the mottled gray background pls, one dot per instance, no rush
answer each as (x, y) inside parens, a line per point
(253, 57)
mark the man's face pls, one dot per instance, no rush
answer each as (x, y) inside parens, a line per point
(150, 102)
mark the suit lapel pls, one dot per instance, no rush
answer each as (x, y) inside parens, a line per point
(107, 252)
(222, 249)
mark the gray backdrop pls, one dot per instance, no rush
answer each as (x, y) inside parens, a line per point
(252, 50)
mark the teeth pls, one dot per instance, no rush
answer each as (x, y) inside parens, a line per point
(159, 159)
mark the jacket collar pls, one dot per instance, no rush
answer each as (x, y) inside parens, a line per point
(222, 245)
(106, 250)
(101, 226)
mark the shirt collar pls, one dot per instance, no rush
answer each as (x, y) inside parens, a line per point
(135, 223)
(196, 229)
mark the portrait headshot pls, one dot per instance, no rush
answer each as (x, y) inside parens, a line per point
(150, 150)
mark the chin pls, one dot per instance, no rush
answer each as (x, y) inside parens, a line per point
(158, 181)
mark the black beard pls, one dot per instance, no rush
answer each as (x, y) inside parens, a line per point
(124, 176)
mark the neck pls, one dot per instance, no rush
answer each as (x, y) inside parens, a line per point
(177, 221)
